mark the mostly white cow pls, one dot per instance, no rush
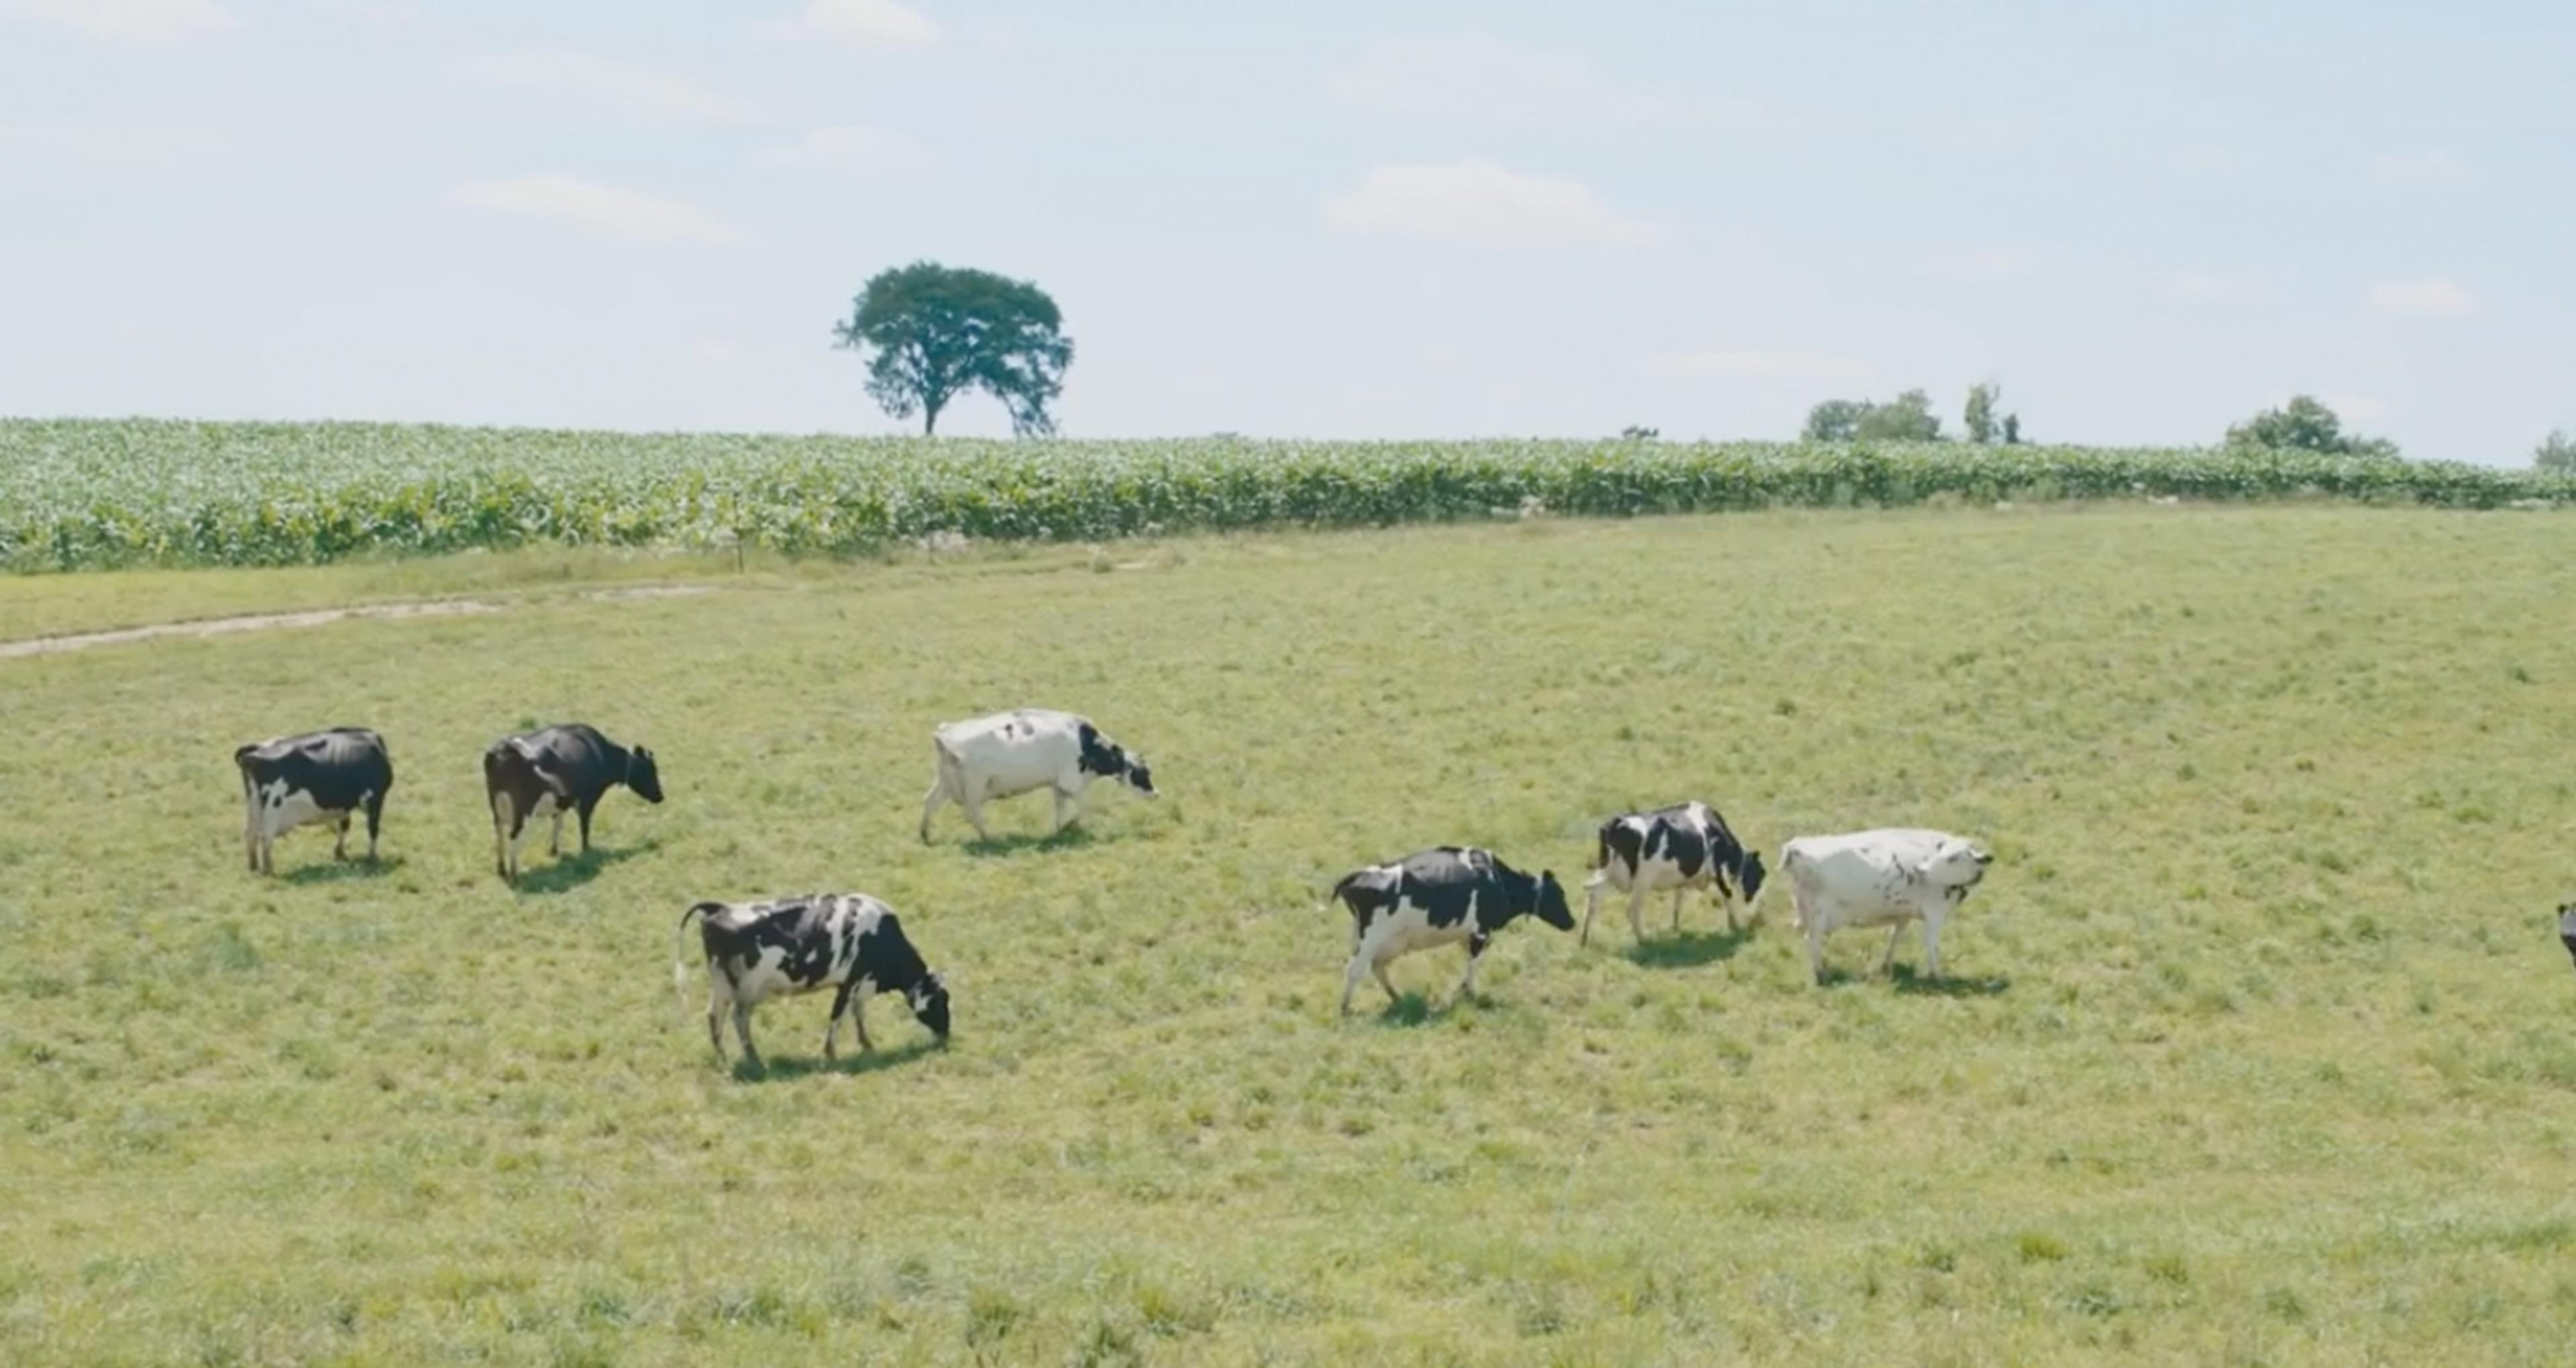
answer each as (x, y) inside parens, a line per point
(319, 777)
(1439, 897)
(1674, 850)
(551, 771)
(848, 942)
(1875, 878)
(1008, 754)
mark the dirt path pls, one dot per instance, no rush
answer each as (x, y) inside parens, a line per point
(315, 617)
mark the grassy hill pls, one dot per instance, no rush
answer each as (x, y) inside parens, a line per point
(2256, 1048)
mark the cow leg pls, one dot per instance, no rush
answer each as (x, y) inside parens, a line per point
(742, 1029)
(930, 803)
(715, 1019)
(832, 1028)
(1887, 962)
(1377, 967)
(1359, 969)
(340, 840)
(973, 802)
(1475, 955)
(1816, 948)
(250, 826)
(1932, 944)
(1677, 911)
(1637, 909)
(375, 820)
(501, 815)
(859, 1023)
(518, 837)
(554, 843)
(1591, 904)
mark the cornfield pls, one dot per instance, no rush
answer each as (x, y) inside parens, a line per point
(84, 494)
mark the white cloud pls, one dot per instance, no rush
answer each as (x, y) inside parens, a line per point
(1978, 263)
(2435, 296)
(608, 208)
(1757, 363)
(628, 91)
(863, 24)
(1480, 204)
(1477, 78)
(2418, 170)
(149, 22)
(849, 147)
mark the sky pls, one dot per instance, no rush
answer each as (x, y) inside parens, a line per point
(1327, 219)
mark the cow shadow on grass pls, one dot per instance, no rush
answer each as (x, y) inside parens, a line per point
(1071, 838)
(854, 1063)
(1688, 950)
(1413, 1009)
(572, 871)
(1907, 979)
(342, 871)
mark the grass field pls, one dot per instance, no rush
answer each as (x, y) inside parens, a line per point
(2257, 1047)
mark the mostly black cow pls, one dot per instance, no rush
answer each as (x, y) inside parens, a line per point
(555, 770)
(848, 942)
(1673, 849)
(324, 776)
(1439, 897)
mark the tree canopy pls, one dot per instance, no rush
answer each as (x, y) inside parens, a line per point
(2557, 453)
(1906, 418)
(2305, 424)
(931, 332)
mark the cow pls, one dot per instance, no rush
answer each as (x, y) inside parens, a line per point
(848, 942)
(2567, 926)
(1438, 897)
(324, 776)
(1678, 848)
(552, 770)
(1022, 751)
(1875, 878)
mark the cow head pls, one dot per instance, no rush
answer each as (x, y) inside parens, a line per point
(1954, 864)
(1550, 902)
(642, 776)
(929, 1000)
(1139, 777)
(1750, 874)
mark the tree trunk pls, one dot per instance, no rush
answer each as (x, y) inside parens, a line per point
(930, 415)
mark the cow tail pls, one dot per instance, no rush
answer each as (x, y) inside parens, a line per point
(680, 944)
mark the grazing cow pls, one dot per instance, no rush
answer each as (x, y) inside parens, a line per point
(1439, 897)
(848, 942)
(1874, 878)
(553, 770)
(1023, 751)
(2567, 926)
(324, 776)
(1676, 848)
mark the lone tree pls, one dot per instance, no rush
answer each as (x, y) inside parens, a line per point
(931, 333)
(1980, 419)
(2558, 453)
(2304, 424)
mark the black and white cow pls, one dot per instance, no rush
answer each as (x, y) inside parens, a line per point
(2567, 926)
(1674, 849)
(324, 776)
(1439, 897)
(551, 771)
(1022, 751)
(848, 942)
